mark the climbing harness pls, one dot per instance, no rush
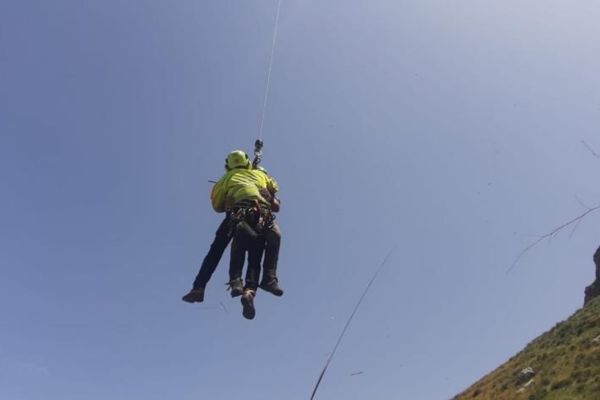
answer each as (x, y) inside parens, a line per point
(250, 218)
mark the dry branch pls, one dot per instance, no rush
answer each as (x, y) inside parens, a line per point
(587, 146)
(553, 233)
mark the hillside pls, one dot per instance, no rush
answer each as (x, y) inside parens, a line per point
(562, 364)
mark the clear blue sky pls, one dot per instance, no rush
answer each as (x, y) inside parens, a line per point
(449, 131)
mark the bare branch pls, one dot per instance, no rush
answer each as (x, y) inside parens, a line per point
(575, 228)
(581, 203)
(223, 308)
(551, 234)
(220, 307)
(356, 307)
(587, 146)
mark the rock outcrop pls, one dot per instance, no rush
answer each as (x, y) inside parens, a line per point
(593, 291)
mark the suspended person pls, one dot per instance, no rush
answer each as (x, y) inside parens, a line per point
(248, 194)
(250, 221)
(272, 239)
(239, 184)
(212, 258)
(256, 233)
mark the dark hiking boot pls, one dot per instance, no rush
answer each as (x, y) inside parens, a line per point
(194, 296)
(271, 286)
(236, 286)
(247, 299)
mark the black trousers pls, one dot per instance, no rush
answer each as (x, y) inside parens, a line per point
(272, 245)
(242, 244)
(267, 243)
(212, 258)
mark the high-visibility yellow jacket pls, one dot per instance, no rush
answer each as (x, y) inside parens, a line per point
(241, 184)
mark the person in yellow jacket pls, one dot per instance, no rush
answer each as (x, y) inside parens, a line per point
(242, 184)
(243, 188)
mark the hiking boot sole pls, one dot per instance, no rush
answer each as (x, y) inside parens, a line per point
(193, 298)
(276, 292)
(236, 287)
(248, 311)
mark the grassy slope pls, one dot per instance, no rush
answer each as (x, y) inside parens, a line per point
(566, 361)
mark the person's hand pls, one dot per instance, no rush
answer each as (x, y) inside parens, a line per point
(275, 204)
(266, 195)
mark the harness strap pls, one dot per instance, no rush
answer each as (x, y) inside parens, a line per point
(250, 217)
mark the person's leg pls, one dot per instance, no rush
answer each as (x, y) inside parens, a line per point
(269, 280)
(236, 263)
(255, 254)
(210, 262)
(255, 250)
(248, 310)
(254, 245)
(217, 248)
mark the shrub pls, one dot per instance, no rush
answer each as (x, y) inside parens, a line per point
(560, 384)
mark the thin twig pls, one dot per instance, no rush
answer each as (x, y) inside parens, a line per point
(220, 307)
(581, 203)
(551, 234)
(223, 308)
(575, 228)
(587, 146)
(322, 374)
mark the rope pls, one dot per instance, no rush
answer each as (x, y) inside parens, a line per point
(348, 324)
(268, 85)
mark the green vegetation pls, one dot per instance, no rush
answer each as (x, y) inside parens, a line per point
(566, 361)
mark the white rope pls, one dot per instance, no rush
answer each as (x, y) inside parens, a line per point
(268, 85)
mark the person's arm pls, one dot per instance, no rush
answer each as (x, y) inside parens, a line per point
(217, 196)
(273, 188)
(272, 185)
(275, 204)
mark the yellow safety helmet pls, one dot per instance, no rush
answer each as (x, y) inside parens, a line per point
(237, 159)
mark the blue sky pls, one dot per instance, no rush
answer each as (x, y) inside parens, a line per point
(449, 132)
